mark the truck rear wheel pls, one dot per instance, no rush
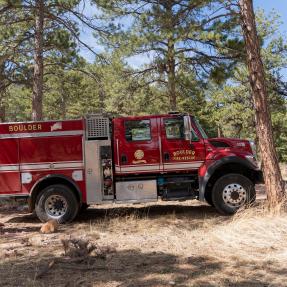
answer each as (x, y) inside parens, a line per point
(56, 202)
(231, 192)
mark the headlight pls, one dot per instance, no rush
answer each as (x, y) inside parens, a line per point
(253, 147)
(252, 159)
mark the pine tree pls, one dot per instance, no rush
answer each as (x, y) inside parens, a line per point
(183, 37)
(37, 100)
(48, 31)
(272, 174)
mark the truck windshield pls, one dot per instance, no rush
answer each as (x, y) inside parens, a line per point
(201, 130)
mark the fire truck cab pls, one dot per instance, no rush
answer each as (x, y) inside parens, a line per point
(63, 166)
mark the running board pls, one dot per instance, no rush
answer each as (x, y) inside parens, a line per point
(179, 198)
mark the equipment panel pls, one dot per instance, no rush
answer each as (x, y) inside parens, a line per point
(99, 181)
(136, 191)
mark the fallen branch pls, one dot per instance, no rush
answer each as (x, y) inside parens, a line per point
(78, 247)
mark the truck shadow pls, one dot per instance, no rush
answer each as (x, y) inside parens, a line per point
(150, 211)
(111, 212)
(126, 268)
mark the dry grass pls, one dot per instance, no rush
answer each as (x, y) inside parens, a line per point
(254, 233)
(178, 244)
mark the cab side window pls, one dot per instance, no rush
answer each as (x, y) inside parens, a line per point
(137, 130)
(174, 128)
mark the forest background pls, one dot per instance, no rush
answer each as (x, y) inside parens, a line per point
(133, 57)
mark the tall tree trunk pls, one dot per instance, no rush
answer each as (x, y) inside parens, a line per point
(171, 85)
(219, 132)
(63, 102)
(101, 99)
(37, 101)
(2, 113)
(171, 74)
(3, 90)
(272, 174)
(2, 77)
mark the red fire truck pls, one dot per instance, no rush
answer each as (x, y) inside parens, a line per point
(63, 166)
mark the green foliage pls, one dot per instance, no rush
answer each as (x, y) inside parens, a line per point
(211, 79)
(17, 42)
(18, 104)
(231, 104)
(186, 39)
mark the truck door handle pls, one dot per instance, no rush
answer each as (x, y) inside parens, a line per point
(124, 158)
(166, 156)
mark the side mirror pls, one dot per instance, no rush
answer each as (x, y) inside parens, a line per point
(189, 133)
(193, 136)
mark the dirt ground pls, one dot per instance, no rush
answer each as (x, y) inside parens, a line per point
(174, 244)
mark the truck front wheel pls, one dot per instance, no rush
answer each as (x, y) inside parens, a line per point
(208, 198)
(232, 191)
(56, 202)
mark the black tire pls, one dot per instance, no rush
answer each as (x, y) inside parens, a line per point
(208, 198)
(64, 204)
(222, 192)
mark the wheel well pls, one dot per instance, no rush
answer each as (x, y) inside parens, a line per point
(230, 168)
(50, 181)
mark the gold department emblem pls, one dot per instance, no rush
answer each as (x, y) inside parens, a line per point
(139, 154)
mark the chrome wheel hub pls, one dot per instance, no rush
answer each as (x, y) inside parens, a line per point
(56, 206)
(234, 195)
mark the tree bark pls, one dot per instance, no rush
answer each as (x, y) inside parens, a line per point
(271, 170)
(3, 89)
(219, 132)
(170, 65)
(63, 101)
(101, 99)
(37, 100)
(2, 113)
(171, 74)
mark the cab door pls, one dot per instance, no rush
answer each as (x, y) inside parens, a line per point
(137, 145)
(179, 153)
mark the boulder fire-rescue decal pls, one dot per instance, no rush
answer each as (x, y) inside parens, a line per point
(139, 155)
(183, 155)
(41, 129)
(25, 128)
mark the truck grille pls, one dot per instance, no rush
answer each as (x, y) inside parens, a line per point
(97, 127)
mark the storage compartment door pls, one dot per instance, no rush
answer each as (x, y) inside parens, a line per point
(136, 191)
(93, 180)
(9, 167)
(98, 163)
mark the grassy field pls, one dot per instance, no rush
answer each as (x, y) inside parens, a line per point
(178, 244)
